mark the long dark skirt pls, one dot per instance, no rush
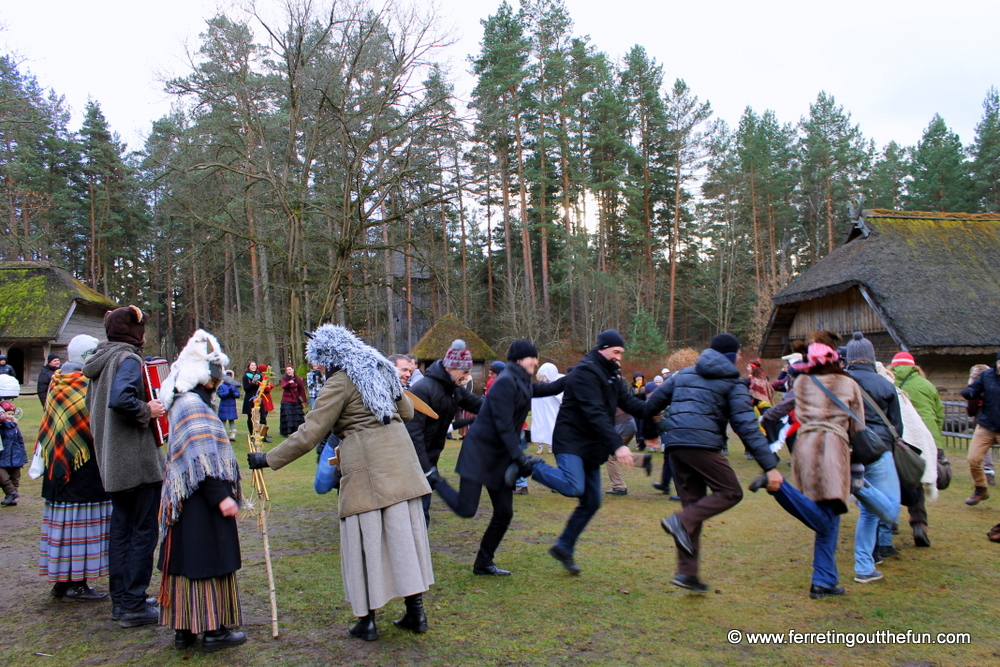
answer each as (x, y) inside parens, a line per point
(291, 418)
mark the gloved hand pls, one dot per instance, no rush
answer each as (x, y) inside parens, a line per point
(256, 460)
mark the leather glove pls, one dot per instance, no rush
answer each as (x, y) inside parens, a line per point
(256, 460)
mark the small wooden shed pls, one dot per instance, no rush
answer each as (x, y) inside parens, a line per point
(42, 307)
(923, 282)
(435, 343)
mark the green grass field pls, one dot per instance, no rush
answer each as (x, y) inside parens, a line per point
(621, 610)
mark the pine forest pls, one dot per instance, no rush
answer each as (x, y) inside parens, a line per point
(320, 168)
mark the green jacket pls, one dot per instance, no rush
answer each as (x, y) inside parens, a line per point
(925, 398)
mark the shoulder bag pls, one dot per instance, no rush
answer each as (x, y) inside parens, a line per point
(866, 445)
(909, 464)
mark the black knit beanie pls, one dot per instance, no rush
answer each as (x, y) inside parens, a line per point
(520, 349)
(724, 343)
(609, 338)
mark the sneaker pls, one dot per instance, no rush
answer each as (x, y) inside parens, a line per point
(617, 492)
(887, 550)
(866, 578)
(690, 582)
(10, 499)
(877, 557)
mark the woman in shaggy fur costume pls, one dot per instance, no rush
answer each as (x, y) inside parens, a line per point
(384, 551)
(199, 504)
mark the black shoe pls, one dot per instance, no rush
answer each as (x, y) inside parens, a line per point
(920, 538)
(491, 571)
(564, 558)
(818, 592)
(659, 487)
(59, 589)
(690, 582)
(758, 483)
(183, 639)
(888, 550)
(266, 439)
(675, 498)
(415, 619)
(673, 526)
(647, 464)
(116, 609)
(81, 592)
(877, 557)
(617, 492)
(148, 615)
(365, 628)
(215, 640)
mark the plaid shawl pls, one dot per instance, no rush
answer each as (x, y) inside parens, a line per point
(199, 448)
(64, 438)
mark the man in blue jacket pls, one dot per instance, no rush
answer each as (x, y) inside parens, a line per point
(584, 436)
(703, 398)
(986, 388)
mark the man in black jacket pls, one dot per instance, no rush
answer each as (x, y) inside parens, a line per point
(703, 398)
(492, 445)
(440, 389)
(986, 388)
(584, 436)
(45, 376)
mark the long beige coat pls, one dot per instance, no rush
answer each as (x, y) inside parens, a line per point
(378, 464)
(822, 459)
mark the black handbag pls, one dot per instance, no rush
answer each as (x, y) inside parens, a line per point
(909, 464)
(866, 445)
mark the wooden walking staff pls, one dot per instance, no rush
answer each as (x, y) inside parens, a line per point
(255, 444)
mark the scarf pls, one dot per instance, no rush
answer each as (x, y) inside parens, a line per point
(64, 438)
(760, 388)
(199, 448)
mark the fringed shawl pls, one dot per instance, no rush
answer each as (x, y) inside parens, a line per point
(199, 447)
(64, 437)
(375, 376)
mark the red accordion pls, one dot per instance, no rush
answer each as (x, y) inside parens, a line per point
(153, 374)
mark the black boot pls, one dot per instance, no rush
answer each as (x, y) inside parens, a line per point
(183, 639)
(414, 620)
(365, 628)
(215, 640)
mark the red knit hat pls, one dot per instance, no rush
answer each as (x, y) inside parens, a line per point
(903, 359)
(458, 356)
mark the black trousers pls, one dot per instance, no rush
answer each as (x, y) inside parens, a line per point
(465, 503)
(133, 534)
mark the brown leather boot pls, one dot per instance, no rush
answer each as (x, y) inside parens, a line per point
(980, 493)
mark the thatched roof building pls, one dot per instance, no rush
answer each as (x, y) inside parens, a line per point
(42, 307)
(434, 344)
(922, 282)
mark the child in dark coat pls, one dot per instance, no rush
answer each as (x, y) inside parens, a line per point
(13, 457)
(228, 393)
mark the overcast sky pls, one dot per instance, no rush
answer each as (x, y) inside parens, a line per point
(891, 64)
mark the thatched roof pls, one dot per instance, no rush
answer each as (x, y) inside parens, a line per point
(35, 299)
(931, 278)
(439, 337)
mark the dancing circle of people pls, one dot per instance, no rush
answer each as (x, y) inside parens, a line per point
(111, 492)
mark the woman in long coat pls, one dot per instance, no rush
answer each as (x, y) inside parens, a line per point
(822, 461)
(384, 549)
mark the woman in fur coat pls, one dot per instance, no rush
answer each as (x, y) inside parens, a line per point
(384, 550)
(822, 461)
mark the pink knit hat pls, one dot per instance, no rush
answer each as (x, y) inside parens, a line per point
(903, 359)
(458, 356)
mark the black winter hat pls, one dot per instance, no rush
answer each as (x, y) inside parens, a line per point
(51, 356)
(521, 348)
(724, 343)
(609, 338)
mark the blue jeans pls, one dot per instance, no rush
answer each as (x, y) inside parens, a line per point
(572, 478)
(522, 482)
(879, 499)
(822, 520)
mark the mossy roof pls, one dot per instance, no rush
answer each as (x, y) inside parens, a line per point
(35, 298)
(931, 277)
(435, 343)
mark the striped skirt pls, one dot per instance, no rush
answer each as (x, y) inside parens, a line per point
(74, 543)
(200, 605)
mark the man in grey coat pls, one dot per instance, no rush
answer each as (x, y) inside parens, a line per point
(130, 462)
